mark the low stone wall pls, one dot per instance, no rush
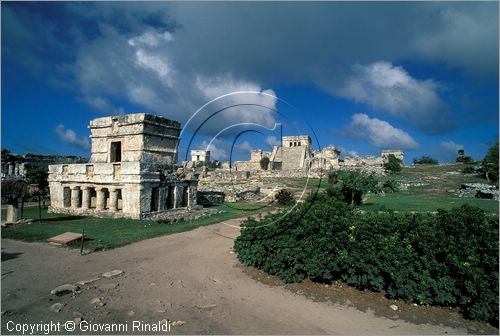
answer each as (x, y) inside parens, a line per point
(210, 197)
(92, 212)
(478, 190)
(183, 215)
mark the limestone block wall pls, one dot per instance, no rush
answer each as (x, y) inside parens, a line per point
(247, 166)
(295, 157)
(199, 155)
(142, 137)
(257, 154)
(399, 154)
(297, 141)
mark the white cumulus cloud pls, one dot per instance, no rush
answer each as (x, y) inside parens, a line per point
(69, 136)
(391, 89)
(378, 132)
(273, 141)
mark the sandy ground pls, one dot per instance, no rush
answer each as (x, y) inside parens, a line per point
(192, 277)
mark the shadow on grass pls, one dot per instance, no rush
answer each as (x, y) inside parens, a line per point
(60, 219)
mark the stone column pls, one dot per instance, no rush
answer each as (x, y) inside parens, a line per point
(11, 213)
(11, 169)
(85, 197)
(16, 169)
(75, 197)
(113, 199)
(192, 195)
(100, 199)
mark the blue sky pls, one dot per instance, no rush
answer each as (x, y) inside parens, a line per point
(422, 77)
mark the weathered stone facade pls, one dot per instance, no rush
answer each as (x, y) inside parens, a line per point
(399, 154)
(200, 155)
(130, 173)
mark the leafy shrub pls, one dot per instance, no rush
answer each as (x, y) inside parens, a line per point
(490, 164)
(284, 197)
(468, 170)
(350, 186)
(393, 164)
(425, 159)
(264, 163)
(450, 258)
(464, 159)
(390, 185)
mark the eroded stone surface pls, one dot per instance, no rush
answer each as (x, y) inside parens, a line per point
(64, 289)
(112, 273)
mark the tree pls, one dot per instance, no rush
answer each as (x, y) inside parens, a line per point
(284, 197)
(393, 164)
(264, 163)
(490, 164)
(351, 185)
(425, 159)
(38, 175)
(464, 159)
(12, 191)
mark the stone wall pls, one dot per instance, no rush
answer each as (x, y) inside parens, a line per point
(297, 141)
(130, 173)
(246, 166)
(143, 138)
(200, 155)
(399, 154)
(295, 158)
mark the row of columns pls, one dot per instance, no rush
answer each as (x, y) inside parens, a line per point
(100, 197)
(14, 169)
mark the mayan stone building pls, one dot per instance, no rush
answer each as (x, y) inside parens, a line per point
(130, 173)
(399, 154)
(200, 155)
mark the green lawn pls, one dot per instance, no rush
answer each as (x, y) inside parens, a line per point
(438, 182)
(105, 233)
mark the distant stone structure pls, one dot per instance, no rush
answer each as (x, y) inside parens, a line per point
(130, 173)
(399, 154)
(200, 155)
(328, 158)
(298, 156)
(15, 166)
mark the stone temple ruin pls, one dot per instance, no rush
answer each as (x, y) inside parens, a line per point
(296, 158)
(130, 173)
(200, 156)
(297, 155)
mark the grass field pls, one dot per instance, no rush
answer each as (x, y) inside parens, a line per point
(106, 233)
(430, 187)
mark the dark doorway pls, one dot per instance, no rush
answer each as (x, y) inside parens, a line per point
(93, 198)
(66, 197)
(170, 199)
(116, 151)
(185, 197)
(155, 197)
(80, 194)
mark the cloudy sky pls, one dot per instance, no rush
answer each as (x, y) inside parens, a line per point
(422, 77)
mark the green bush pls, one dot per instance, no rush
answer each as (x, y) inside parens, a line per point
(450, 258)
(468, 170)
(425, 159)
(489, 164)
(464, 159)
(393, 164)
(350, 185)
(284, 197)
(390, 185)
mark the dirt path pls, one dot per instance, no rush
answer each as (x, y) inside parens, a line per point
(191, 276)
